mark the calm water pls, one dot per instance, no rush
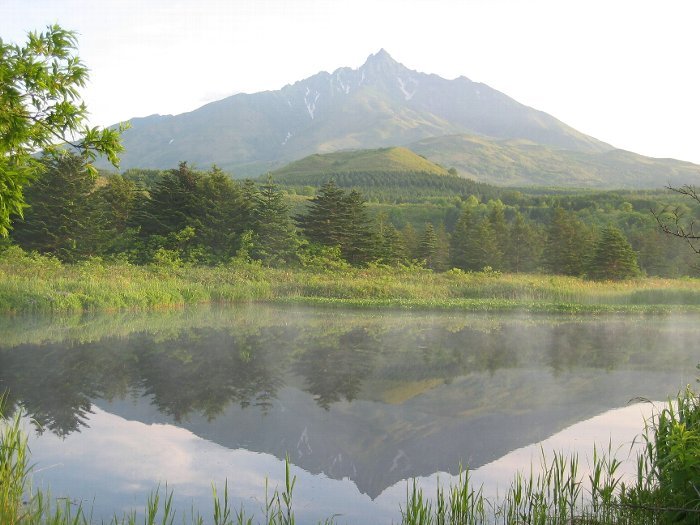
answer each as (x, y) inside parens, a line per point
(360, 401)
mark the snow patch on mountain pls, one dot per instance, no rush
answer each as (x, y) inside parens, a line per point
(311, 104)
(286, 139)
(406, 93)
(343, 86)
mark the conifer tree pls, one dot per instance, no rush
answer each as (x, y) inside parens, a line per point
(524, 248)
(568, 244)
(483, 247)
(327, 218)
(441, 261)
(275, 240)
(428, 246)
(118, 198)
(410, 240)
(392, 249)
(613, 257)
(223, 214)
(334, 218)
(62, 216)
(361, 241)
(459, 245)
(497, 221)
(173, 203)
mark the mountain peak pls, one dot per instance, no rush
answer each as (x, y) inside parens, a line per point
(380, 57)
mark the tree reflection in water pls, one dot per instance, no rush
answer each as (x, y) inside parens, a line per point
(203, 366)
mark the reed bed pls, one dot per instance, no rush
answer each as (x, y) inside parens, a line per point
(33, 283)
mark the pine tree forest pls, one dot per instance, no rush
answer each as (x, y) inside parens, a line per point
(190, 216)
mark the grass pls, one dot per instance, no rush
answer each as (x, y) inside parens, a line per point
(666, 489)
(32, 283)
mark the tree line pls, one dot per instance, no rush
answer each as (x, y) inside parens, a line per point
(185, 215)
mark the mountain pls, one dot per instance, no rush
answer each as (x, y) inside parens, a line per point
(381, 103)
(523, 163)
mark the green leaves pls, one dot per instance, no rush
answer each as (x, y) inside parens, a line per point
(40, 109)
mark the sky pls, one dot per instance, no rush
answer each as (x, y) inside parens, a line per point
(624, 71)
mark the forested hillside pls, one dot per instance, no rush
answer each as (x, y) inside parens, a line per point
(389, 174)
(183, 215)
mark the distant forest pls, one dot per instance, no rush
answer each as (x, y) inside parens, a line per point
(189, 216)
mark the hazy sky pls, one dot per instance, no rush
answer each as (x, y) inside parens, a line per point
(626, 72)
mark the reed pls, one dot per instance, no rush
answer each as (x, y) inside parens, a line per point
(14, 471)
(33, 283)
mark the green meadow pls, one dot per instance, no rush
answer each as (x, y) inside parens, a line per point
(34, 283)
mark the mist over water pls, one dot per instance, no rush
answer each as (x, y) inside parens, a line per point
(359, 400)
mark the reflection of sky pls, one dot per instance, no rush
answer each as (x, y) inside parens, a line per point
(117, 462)
(114, 464)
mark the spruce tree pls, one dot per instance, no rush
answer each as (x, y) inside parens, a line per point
(223, 213)
(524, 247)
(118, 198)
(441, 260)
(62, 218)
(613, 257)
(499, 227)
(361, 242)
(392, 249)
(327, 217)
(410, 240)
(459, 245)
(275, 240)
(173, 203)
(483, 247)
(568, 244)
(335, 218)
(428, 246)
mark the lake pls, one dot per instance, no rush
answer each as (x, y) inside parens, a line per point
(359, 400)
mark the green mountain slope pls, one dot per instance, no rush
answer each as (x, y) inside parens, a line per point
(523, 163)
(393, 160)
(386, 173)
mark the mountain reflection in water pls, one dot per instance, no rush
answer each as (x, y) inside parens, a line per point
(374, 397)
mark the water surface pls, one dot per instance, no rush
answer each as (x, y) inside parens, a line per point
(360, 401)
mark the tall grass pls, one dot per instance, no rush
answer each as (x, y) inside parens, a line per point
(666, 489)
(33, 283)
(669, 471)
(14, 470)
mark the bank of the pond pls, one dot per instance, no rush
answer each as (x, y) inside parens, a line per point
(41, 284)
